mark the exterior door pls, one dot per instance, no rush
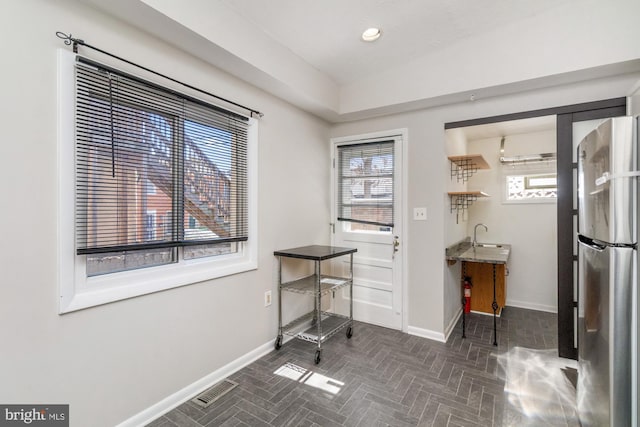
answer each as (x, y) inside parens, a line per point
(367, 215)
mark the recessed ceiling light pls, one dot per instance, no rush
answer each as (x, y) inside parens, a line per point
(371, 34)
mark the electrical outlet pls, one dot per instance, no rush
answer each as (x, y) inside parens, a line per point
(420, 214)
(267, 298)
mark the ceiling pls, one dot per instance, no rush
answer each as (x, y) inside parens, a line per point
(326, 33)
(431, 53)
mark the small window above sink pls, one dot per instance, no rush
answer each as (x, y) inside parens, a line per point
(528, 188)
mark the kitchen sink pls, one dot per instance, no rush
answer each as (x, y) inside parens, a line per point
(488, 245)
(487, 252)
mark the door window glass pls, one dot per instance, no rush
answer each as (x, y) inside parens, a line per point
(365, 186)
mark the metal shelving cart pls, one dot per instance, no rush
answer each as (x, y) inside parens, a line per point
(316, 326)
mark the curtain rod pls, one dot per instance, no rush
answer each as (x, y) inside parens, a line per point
(69, 40)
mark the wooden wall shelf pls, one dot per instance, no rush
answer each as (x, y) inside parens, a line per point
(477, 193)
(463, 167)
(461, 200)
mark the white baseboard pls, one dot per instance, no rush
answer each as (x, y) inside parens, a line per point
(426, 333)
(532, 306)
(433, 335)
(170, 402)
(449, 329)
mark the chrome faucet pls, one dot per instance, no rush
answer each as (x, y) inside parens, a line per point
(475, 231)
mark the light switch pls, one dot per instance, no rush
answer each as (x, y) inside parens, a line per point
(420, 214)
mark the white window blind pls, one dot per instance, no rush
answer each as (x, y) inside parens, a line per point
(365, 183)
(143, 148)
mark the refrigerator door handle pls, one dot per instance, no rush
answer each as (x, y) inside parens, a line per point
(593, 244)
(606, 176)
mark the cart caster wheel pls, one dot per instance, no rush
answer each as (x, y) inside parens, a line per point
(278, 342)
(349, 332)
(317, 358)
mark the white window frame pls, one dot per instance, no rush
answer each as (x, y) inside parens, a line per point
(76, 290)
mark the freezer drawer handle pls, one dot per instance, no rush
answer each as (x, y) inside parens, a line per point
(591, 243)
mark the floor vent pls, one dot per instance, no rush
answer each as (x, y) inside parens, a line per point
(214, 393)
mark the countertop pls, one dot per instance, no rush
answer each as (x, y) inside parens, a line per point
(492, 253)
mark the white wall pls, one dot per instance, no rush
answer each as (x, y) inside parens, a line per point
(530, 228)
(431, 307)
(455, 227)
(633, 107)
(113, 361)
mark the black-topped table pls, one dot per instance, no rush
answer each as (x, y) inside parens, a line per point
(315, 252)
(316, 326)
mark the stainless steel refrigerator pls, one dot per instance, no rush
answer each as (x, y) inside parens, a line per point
(607, 274)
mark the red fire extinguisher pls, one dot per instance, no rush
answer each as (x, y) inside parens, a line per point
(467, 294)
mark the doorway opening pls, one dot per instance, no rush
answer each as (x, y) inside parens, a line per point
(568, 123)
(520, 210)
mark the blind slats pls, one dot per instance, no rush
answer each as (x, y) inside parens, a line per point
(365, 183)
(155, 169)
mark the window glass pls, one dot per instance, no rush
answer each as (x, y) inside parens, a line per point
(113, 262)
(208, 179)
(531, 187)
(365, 186)
(202, 251)
(154, 171)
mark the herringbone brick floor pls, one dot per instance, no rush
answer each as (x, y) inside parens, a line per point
(383, 377)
